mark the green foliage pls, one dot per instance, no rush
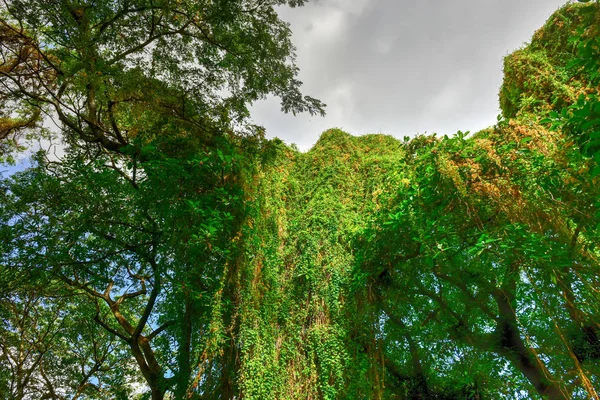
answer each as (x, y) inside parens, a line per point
(582, 119)
(132, 249)
(140, 220)
(165, 256)
(112, 73)
(479, 226)
(555, 78)
(539, 78)
(297, 327)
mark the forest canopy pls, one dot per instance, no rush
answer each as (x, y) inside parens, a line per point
(173, 252)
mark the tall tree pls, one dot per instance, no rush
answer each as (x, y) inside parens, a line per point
(145, 255)
(138, 217)
(97, 67)
(476, 256)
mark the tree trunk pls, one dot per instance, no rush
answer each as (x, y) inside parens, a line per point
(512, 346)
(151, 371)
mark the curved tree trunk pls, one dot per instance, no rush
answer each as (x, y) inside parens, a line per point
(512, 346)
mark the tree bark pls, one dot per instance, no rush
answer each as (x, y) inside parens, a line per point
(512, 346)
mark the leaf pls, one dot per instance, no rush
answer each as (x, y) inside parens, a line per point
(589, 124)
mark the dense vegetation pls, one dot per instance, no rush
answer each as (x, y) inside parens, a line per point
(174, 252)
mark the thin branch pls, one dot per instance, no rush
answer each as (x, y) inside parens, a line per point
(160, 329)
(111, 330)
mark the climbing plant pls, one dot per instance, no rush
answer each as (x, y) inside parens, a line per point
(174, 252)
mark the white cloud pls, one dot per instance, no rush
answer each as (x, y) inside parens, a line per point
(451, 95)
(402, 67)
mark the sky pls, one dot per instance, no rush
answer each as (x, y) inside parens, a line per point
(401, 67)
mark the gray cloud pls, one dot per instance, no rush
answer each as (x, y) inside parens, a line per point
(402, 67)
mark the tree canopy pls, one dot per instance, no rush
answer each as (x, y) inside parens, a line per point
(173, 252)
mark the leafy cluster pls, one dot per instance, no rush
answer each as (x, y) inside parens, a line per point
(297, 331)
(173, 252)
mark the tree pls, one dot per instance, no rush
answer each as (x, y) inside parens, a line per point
(146, 95)
(582, 118)
(101, 69)
(476, 258)
(50, 349)
(145, 254)
(16, 115)
(169, 255)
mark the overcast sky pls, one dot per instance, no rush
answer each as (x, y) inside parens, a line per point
(402, 67)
